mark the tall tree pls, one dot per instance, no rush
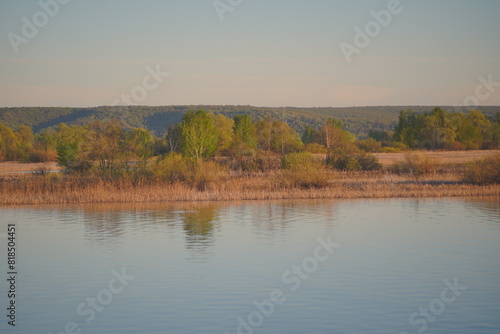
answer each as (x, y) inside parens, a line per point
(105, 143)
(199, 135)
(9, 144)
(174, 137)
(264, 131)
(284, 139)
(332, 134)
(309, 135)
(225, 133)
(140, 142)
(245, 132)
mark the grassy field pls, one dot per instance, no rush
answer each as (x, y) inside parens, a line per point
(445, 158)
(18, 167)
(445, 181)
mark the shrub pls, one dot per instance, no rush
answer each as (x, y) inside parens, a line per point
(484, 171)
(369, 162)
(198, 174)
(171, 168)
(350, 158)
(42, 156)
(489, 145)
(267, 161)
(305, 177)
(203, 174)
(304, 170)
(369, 145)
(395, 147)
(262, 161)
(292, 160)
(416, 164)
(454, 146)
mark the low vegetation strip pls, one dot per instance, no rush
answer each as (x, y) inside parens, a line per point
(446, 158)
(63, 189)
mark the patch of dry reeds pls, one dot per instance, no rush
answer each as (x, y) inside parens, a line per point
(67, 189)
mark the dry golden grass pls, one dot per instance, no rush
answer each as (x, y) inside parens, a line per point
(446, 181)
(484, 171)
(19, 167)
(50, 189)
(448, 158)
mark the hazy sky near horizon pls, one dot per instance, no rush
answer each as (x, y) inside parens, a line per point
(264, 53)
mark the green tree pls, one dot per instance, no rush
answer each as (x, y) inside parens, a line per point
(380, 135)
(403, 132)
(309, 135)
(199, 135)
(174, 137)
(140, 142)
(284, 139)
(47, 140)
(72, 146)
(105, 143)
(494, 133)
(26, 141)
(472, 129)
(9, 144)
(72, 158)
(332, 134)
(264, 131)
(245, 132)
(225, 133)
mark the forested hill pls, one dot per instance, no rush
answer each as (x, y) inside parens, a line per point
(358, 120)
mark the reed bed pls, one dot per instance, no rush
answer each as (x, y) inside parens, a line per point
(176, 180)
(65, 189)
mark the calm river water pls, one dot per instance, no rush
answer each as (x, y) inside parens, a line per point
(362, 266)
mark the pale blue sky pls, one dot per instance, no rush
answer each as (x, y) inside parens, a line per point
(264, 53)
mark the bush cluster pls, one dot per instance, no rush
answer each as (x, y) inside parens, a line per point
(485, 171)
(416, 164)
(304, 170)
(198, 173)
(350, 158)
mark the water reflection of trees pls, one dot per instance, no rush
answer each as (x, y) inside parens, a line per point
(198, 226)
(104, 226)
(273, 221)
(197, 223)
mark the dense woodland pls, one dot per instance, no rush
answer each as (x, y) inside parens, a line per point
(357, 120)
(440, 129)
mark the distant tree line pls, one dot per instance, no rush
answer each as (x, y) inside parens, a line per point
(252, 144)
(440, 129)
(105, 143)
(156, 119)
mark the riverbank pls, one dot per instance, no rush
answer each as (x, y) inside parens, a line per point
(44, 190)
(25, 187)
